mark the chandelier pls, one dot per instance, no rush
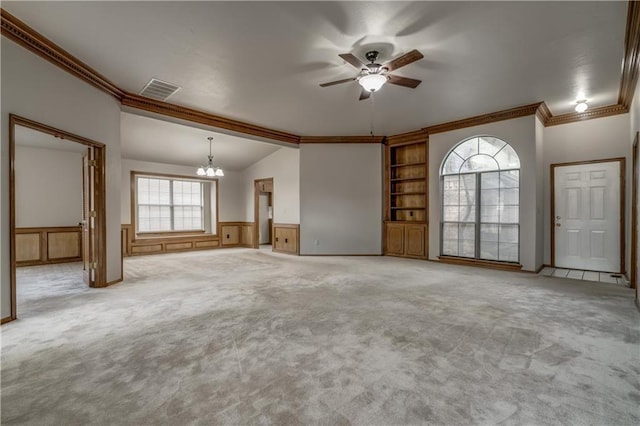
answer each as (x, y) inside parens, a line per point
(209, 170)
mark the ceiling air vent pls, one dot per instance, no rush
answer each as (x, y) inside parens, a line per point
(158, 89)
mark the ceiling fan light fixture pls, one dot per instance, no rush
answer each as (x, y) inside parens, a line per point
(372, 82)
(581, 106)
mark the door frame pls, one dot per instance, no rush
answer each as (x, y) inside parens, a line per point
(100, 254)
(633, 276)
(622, 162)
(256, 210)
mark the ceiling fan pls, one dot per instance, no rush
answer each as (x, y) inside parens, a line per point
(373, 75)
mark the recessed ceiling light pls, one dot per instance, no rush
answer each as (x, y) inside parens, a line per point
(581, 106)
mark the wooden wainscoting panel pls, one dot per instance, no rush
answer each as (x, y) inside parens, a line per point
(62, 245)
(207, 244)
(247, 235)
(28, 247)
(146, 249)
(286, 238)
(230, 235)
(178, 246)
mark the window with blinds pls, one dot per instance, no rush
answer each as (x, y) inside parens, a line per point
(164, 205)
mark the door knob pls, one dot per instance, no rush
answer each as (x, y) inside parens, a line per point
(558, 217)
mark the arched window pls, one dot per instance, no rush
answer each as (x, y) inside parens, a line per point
(480, 200)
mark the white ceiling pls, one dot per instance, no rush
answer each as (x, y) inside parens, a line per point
(261, 62)
(25, 136)
(148, 139)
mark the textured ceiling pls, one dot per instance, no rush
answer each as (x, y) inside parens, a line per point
(148, 139)
(261, 62)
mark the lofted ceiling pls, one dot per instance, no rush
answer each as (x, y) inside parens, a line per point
(148, 139)
(262, 62)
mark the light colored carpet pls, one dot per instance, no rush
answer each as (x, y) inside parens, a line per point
(249, 337)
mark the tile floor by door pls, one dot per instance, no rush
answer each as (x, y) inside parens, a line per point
(603, 277)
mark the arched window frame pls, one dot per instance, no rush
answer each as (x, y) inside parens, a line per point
(485, 170)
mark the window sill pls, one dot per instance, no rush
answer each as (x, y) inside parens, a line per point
(174, 236)
(503, 266)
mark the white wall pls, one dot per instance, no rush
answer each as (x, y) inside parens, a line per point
(230, 200)
(596, 139)
(341, 199)
(48, 187)
(34, 88)
(284, 167)
(634, 125)
(540, 205)
(520, 134)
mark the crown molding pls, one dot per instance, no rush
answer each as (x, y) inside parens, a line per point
(409, 137)
(197, 116)
(342, 139)
(16, 30)
(591, 113)
(543, 113)
(631, 60)
(478, 120)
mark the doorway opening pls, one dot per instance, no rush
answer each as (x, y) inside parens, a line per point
(587, 215)
(57, 222)
(263, 213)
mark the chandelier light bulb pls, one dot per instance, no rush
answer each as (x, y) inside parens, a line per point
(219, 172)
(201, 171)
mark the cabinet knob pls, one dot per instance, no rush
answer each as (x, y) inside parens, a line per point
(227, 236)
(286, 240)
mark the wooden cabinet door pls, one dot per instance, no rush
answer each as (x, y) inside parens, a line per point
(286, 239)
(230, 235)
(394, 239)
(414, 240)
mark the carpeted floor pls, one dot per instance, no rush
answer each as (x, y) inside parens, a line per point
(250, 337)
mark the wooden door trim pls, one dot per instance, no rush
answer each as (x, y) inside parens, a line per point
(633, 278)
(256, 209)
(622, 162)
(100, 200)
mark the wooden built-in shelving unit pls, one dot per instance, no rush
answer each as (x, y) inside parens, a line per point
(406, 192)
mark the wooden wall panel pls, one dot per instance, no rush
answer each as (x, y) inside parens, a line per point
(61, 245)
(39, 246)
(28, 247)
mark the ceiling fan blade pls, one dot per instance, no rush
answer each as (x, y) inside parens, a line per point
(403, 60)
(365, 94)
(404, 81)
(331, 83)
(352, 60)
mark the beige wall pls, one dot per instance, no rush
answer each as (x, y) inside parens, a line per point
(34, 88)
(520, 133)
(284, 167)
(596, 139)
(341, 199)
(48, 187)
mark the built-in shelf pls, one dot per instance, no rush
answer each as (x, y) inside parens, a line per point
(408, 164)
(408, 179)
(407, 193)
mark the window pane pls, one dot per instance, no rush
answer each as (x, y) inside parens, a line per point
(450, 239)
(509, 214)
(468, 189)
(490, 214)
(490, 196)
(467, 149)
(490, 146)
(467, 213)
(508, 233)
(508, 252)
(490, 180)
(467, 240)
(479, 163)
(488, 250)
(509, 196)
(451, 213)
(507, 158)
(452, 164)
(510, 179)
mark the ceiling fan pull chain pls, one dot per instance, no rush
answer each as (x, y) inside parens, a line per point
(372, 112)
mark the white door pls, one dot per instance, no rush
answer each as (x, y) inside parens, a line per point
(587, 216)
